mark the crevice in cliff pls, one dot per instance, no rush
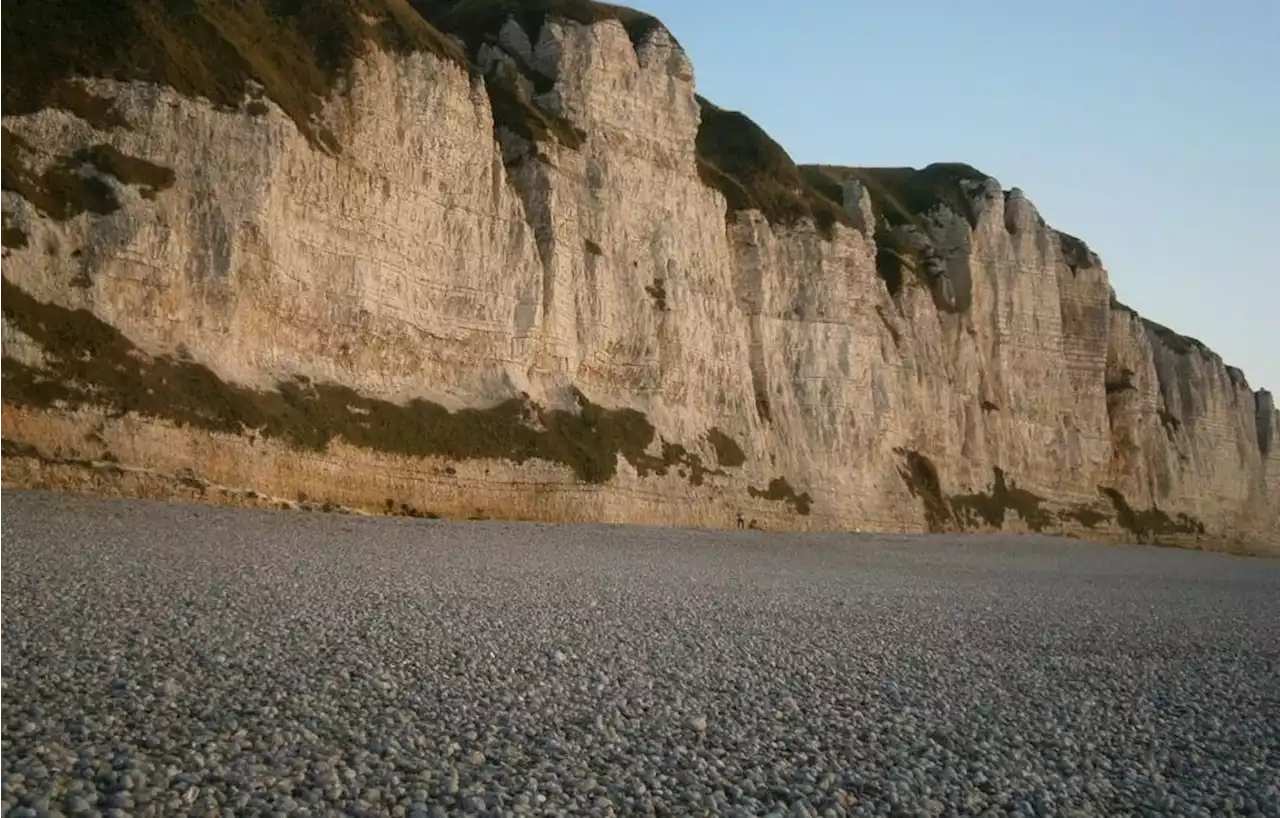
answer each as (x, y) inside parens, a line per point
(921, 477)
(515, 109)
(529, 175)
(1264, 419)
(759, 370)
(1120, 383)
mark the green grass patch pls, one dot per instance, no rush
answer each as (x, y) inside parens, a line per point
(982, 509)
(90, 363)
(753, 172)
(297, 49)
(76, 98)
(406, 510)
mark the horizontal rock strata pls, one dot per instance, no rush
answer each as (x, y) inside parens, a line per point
(449, 260)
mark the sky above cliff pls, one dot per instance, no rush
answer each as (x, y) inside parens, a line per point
(1150, 130)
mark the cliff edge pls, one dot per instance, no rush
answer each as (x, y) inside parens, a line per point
(486, 258)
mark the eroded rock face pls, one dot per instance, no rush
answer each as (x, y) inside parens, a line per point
(207, 298)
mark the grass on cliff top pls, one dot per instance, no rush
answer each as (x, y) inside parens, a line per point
(753, 172)
(900, 196)
(297, 49)
(1076, 253)
(1181, 344)
(478, 21)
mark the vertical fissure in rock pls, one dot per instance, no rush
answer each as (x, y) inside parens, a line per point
(1264, 418)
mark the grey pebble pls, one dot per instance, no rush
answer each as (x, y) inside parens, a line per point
(160, 662)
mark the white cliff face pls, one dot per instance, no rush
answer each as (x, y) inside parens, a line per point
(391, 268)
(425, 260)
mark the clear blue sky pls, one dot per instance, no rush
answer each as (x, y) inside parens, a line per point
(1149, 128)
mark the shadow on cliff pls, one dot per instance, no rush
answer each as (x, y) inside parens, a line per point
(90, 363)
(991, 510)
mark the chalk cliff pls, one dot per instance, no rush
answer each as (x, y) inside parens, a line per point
(445, 258)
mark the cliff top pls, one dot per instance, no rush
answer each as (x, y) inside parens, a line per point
(752, 171)
(901, 195)
(294, 49)
(478, 21)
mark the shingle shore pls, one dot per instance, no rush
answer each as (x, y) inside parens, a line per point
(168, 659)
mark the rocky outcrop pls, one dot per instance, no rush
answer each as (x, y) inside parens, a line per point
(467, 262)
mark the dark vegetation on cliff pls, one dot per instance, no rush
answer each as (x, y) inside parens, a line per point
(515, 109)
(1076, 253)
(61, 191)
(902, 196)
(478, 21)
(728, 452)
(990, 509)
(296, 49)
(13, 236)
(514, 102)
(780, 491)
(1181, 344)
(900, 199)
(753, 172)
(90, 363)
